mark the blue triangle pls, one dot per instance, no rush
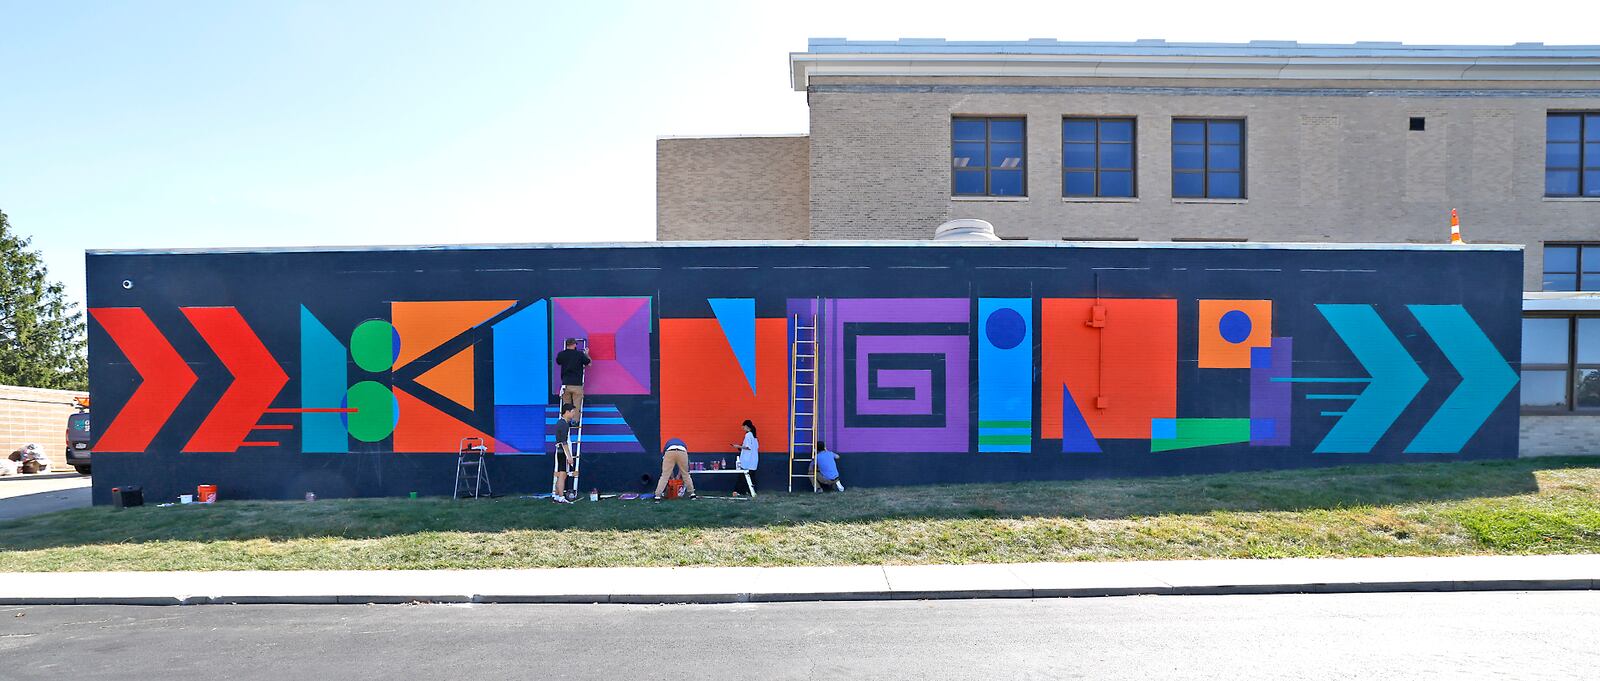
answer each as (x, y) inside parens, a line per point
(737, 317)
(1075, 435)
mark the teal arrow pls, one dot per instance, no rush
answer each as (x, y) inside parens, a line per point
(1486, 379)
(1396, 379)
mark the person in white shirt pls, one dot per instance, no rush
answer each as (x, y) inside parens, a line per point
(749, 457)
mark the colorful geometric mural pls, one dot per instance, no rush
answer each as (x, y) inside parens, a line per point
(605, 431)
(1230, 329)
(705, 389)
(1117, 359)
(618, 333)
(1005, 375)
(521, 372)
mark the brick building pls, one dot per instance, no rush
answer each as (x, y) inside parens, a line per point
(1157, 141)
(39, 416)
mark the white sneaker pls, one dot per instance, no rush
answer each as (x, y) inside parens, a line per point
(838, 485)
(560, 500)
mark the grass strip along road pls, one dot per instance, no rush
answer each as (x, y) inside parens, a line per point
(1523, 506)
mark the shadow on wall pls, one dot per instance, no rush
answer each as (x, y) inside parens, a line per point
(1088, 499)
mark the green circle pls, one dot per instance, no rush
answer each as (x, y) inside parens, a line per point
(372, 345)
(375, 411)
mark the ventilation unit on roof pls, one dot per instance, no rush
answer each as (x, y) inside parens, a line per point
(965, 229)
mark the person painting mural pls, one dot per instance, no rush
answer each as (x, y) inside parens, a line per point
(749, 457)
(676, 455)
(828, 469)
(572, 362)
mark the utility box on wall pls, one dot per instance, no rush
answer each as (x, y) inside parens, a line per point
(355, 372)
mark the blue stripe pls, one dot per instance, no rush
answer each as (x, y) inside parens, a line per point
(553, 409)
(1331, 397)
(1333, 413)
(593, 421)
(1019, 449)
(1297, 379)
(1005, 431)
(599, 438)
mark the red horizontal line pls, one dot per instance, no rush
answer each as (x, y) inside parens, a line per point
(273, 426)
(311, 411)
(258, 444)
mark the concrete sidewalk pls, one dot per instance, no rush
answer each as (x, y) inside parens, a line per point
(745, 584)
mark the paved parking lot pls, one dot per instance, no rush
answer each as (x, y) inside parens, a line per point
(27, 495)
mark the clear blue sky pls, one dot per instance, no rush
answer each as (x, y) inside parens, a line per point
(192, 124)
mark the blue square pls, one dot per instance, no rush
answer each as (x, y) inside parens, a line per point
(1163, 429)
(1261, 358)
(1263, 429)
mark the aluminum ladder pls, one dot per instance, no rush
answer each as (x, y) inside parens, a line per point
(804, 379)
(472, 474)
(574, 441)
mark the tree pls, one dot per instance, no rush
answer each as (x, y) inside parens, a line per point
(41, 332)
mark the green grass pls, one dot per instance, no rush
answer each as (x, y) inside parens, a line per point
(1505, 507)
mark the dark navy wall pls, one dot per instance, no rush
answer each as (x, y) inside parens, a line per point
(1207, 360)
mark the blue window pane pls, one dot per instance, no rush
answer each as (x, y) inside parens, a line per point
(1116, 156)
(1005, 130)
(1544, 340)
(1590, 282)
(1562, 128)
(966, 130)
(1188, 157)
(1561, 155)
(1116, 131)
(1224, 157)
(1591, 155)
(969, 182)
(1561, 183)
(1560, 282)
(1005, 155)
(1078, 155)
(1591, 127)
(1188, 132)
(1561, 259)
(1079, 184)
(1224, 186)
(1225, 132)
(1005, 183)
(1591, 259)
(1544, 389)
(1120, 183)
(1077, 130)
(1188, 185)
(966, 155)
(1591, 183)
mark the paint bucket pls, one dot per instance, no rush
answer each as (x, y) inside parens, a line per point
(185, 498)
(206, 494)
(413, 495)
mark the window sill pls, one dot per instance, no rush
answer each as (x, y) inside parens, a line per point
(1587, 411)
(1573, 199)
(1099, 199)
(1224, 201)
(992, 199)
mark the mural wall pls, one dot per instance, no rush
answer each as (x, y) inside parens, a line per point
(357, 372)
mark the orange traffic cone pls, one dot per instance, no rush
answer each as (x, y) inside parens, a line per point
(1455, 229)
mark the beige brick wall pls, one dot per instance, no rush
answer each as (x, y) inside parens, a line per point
(1560, 435)
(732, 188)
(1319, 168)
(36, 415)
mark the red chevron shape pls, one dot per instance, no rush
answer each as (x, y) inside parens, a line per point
(164, 379)
(257, 379)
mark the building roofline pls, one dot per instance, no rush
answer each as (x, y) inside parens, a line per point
(1261, 59)
(782, 135)
(1173, 245)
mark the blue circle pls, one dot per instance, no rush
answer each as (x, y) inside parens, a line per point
(1234, 326)
(1005, 328)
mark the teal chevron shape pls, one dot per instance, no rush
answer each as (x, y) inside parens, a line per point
(1396, 379)
(1486, 379)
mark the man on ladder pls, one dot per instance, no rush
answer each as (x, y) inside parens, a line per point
(571, 362)
(565, 461)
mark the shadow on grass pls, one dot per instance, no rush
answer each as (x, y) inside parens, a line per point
(1297, 490)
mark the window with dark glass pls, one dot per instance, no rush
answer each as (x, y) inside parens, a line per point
(1207, 158)
(1572, 154)
(988, 157)
(1571, 267)
(1097, 157)
(1560, 363)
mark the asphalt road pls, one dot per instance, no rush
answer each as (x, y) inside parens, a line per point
(1545, 635)
(28, 495)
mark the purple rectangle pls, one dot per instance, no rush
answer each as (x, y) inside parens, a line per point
(1269, 399)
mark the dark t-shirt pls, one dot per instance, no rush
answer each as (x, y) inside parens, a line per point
(562, 428)
(572, 363)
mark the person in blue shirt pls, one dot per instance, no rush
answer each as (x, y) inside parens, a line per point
(828, 468)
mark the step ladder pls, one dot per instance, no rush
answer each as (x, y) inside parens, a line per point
(574, 441)
(804, 380)
(472, 474)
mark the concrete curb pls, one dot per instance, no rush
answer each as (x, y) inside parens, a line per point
(714, 585)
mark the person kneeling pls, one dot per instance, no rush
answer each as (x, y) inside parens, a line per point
(828, 469)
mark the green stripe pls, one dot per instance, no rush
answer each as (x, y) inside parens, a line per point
(1005, 424)
(1005, 439)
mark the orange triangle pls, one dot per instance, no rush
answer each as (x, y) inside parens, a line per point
(452, 378)
(424, 429)
(423, 326)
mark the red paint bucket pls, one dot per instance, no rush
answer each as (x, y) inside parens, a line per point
(206, 494)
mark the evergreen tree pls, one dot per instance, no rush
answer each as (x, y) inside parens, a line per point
(41, 332)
